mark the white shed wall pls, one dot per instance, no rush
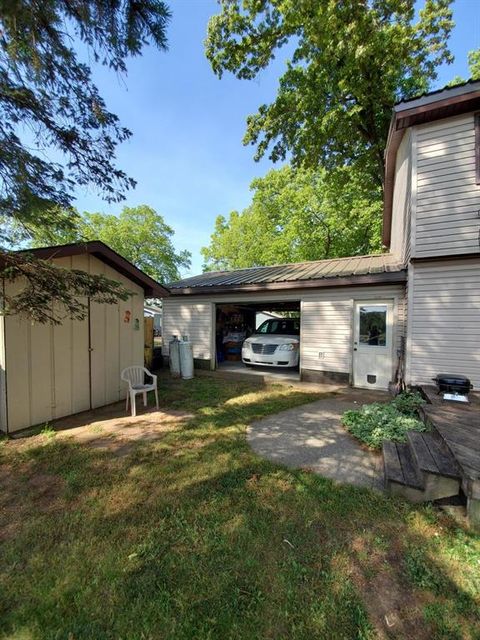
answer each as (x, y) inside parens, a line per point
(3, 381)
(444, 320)
(116, 344)
(48, 366)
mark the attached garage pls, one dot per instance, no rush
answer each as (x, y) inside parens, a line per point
(235, 323)
(352, 313)
(49, 371)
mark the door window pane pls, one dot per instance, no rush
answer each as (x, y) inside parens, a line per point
(373, 325)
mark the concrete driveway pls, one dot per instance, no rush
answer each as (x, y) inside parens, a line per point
(313, 437)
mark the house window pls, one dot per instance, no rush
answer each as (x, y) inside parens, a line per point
(477, 147)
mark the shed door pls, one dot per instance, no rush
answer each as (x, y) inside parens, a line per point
(372, 344)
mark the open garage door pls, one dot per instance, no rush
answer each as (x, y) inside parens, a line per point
(270, 331)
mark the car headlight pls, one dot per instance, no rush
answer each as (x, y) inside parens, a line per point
(291, 346)
(247, 346)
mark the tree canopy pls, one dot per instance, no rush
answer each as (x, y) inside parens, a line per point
(473, 67)
(351, 62)
(139, 234)
(297, 215)
(474, 64)
(56, 132)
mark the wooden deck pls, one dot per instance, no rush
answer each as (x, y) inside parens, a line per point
(459, 426)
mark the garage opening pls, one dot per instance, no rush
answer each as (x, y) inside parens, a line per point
(259, 338)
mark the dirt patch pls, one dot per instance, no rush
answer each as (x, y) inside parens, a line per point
(108, 429)
(21, 488)
(45, 489)
(10, 506)
(120, 435)
(395, 609)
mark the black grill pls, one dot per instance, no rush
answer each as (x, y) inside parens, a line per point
(452, 383)
(264, 349)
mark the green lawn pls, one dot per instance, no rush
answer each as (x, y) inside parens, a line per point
(195, 537)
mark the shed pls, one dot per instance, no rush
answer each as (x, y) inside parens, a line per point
(49, 371)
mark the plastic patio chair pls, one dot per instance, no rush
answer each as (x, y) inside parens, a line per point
(135, 377)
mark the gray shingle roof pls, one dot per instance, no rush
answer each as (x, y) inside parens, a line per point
(299, 271)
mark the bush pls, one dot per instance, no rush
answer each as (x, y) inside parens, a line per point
(408, 402)
(374, 423)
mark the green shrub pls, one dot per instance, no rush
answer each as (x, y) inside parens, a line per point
(408, 402)
(374, 423)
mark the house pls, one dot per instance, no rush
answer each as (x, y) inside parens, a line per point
(49, 371)
(424, 293)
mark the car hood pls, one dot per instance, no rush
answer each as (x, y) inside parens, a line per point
(269, 338)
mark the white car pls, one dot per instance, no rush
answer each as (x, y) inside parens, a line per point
(276, 343)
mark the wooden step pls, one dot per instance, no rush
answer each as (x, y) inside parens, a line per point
(431, 455)
(400, 465)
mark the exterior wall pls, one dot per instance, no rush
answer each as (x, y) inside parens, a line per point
(3, 381)
(326, 329)
(194, 318)
(327, 325)
(444, 320)
(447, 197)
(48, 371)
(115, 344)
(401, 207)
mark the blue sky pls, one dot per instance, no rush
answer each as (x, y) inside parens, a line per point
(186, 151)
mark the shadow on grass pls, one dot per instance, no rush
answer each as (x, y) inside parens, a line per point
(194, 536)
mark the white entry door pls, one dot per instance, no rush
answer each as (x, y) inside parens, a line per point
(372, 344)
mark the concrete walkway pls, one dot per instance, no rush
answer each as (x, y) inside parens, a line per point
(313, 437)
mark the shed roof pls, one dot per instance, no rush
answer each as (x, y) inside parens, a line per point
(104, 253)
(373, 269)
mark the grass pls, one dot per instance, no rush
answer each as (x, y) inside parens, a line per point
(194, 536)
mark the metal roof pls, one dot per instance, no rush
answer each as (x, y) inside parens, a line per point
(300, 272)
(438, 94)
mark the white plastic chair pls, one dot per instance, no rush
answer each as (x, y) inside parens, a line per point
(134, 376)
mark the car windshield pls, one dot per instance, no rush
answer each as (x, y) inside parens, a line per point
(280, 326)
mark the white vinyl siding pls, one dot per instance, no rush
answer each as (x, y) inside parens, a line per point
(326, 321)
(327, 335)
(327, 325)
(447, 196)
(193, 319)
(444, 322)
(401, 207)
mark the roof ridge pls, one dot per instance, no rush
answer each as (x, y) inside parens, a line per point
(300, 271)
(288, 264)
(427, 94)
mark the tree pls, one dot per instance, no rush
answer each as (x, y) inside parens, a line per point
(299, 215)
(351, 62)
(474, 64)
(139, 234)
(56, 131)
